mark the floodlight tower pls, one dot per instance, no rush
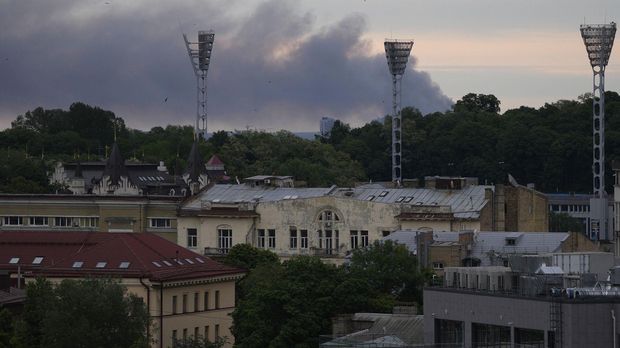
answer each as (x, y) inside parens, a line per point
(599, 39)
(200, 57)
(397, 53)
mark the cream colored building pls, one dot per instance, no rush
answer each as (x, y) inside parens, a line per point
(187, 294)
(330, 222)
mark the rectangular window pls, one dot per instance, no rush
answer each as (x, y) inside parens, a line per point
(224, 240)
(207, 332)
(217, 331)
(90, 222)
(272, 239)
(184, 303)
(385, 233)
(38, 221)
(437, 265)
(174, 305)
(184, 334)
(205, 305)
(196, 333)
(63, 221)
(320, 234)
(192, 237)
(293, 238)
(363, 239)
(196, 302)
(174, 335)
(13, 220)
(261, 238)
(354, 239)
(303, 239)
(217, 299)
(160, 223)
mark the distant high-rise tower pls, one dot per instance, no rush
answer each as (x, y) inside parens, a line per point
(200, 57)
(397, 53)
(327, 123)
(599, 40)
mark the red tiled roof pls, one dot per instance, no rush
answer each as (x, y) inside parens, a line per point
(143, 251)
(215, 161)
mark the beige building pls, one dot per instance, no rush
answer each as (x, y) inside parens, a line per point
(330, 222)
(187, 294)
(154, 214)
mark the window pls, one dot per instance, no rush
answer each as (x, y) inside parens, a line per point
(124, 264)
(224, 240)
(437, 265)
(272, 239)
(383, 193)
(101, 264)
(184, 303)
(261, 238)
(185, 334)
(192, 237)
(13, 220)
(77, 264)
(385, 233)
(167, 263)
(328, 215)
(363, 239)
(14, 260)
(293, 238)
(63, 221)
(320, 235)
(207, 332)
(90, 222)
(400, 199)
(157, 264)
(217, 331)
(206, 303)
(189, 261)
(160, 223)
(196, 305)
(196, 332)
(174, 335)
(217, 299)
(37, 260)
(511, 241)
(354, 239)
(303, 239)
(38, 221)
(174, 305)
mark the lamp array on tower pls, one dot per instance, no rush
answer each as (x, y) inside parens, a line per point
(200, 56)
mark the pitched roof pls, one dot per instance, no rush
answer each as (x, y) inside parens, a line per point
(128, 255)
(115, 166)
(215, 163)
(195, 163)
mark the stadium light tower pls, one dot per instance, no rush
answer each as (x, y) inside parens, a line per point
(599, 39)
(200, 57)
(397, 53)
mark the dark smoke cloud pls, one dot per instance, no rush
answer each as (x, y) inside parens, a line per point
(272, 69)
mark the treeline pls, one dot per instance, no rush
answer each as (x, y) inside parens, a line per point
(550, 146)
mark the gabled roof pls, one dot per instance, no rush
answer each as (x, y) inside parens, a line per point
(195, 163)
(127, 255)
(115, 166)
(215, 163)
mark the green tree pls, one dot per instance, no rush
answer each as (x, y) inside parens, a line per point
(248, 257)
(562, 222)
(82, 313)
(6, 328)
(473, 102)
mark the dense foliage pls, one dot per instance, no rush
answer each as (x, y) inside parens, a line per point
(81, 313)
(550, 146)
(290, 304)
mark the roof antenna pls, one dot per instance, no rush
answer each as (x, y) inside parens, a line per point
(114, 124)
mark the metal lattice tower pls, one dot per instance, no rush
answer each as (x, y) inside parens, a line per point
(599, 39)
(200, 57)
(397, 53)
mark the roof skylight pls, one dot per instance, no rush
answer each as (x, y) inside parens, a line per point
(101, 264)
(14, 260)
(78, 264)
(124, 264)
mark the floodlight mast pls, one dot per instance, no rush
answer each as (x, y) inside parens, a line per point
(599, 40)
(200, 56)
(397, 53)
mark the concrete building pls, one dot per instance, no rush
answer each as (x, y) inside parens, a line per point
(109, 213)
(327, 123)
(330, 222)
(186, 293)
(497, 307)
(576, 205)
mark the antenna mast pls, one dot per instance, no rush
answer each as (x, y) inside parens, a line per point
(598, 39)
(200, 56)
(397, 53)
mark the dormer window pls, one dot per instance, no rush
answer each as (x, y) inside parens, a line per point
(511, 241)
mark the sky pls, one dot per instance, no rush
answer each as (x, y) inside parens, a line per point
(284, 64)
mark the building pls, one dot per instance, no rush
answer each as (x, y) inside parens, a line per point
(95, 213)
(327, 123)
(186, 293)
(440, 250)
(577, 205)
(498, 307)
(116, 176)
(267, 212)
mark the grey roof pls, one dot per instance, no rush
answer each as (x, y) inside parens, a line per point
(465, 203)
(387, 330)
(243, 193)
(492, 242)
(263, 177)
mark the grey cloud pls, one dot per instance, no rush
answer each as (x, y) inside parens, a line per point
(129, 60)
